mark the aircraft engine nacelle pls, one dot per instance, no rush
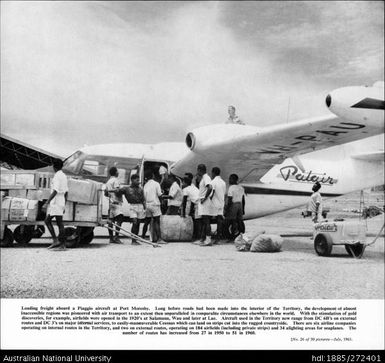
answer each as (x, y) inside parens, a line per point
(209, 137)
(360, 103)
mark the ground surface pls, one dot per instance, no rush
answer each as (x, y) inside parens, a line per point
(186, 271)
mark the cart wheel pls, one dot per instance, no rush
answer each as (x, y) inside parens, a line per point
(323, 244)
(7, 240)
(356, 250)
(23, 234)
(38, 232)
(71, 236)
(86, 235)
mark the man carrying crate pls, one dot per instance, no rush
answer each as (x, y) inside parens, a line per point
(56, 206)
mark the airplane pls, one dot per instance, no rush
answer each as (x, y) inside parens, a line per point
(277, 165)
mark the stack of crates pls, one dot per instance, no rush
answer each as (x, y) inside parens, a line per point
(26, 188)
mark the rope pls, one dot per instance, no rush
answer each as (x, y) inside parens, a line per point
(378, 235)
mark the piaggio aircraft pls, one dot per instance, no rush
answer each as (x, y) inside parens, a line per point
(277, 165)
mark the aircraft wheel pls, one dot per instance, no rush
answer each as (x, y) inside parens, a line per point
(86, 235)
(7, 240)
(356, 250)
(23, 234)
(323, 244)
(71, 237)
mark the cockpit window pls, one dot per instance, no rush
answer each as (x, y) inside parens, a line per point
(74, 162)
(94, 167)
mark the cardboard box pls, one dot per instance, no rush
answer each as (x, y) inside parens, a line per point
(35, 194)
(18, 215)
(7, 178)
(6, 203)
(17, 178)
(33, 209)
(17, 193)
(40, 194)
(83, 191)
(86, 213)
(25, 179)
(5, 206)
(18, 209)
(19, 203)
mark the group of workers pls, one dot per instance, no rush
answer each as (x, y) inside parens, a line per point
(203, 198)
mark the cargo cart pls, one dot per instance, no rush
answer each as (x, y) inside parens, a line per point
(78, 231)
(32, 187)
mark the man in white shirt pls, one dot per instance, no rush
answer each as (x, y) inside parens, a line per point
(205, 206)
(174, 197)
(152, 192)
(115, 195)
(233, 118)
(235, 207)
(218, 198)
(190, 204)
(315, 203)
(56, 206)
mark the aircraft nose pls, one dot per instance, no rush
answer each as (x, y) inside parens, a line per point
(328, 100)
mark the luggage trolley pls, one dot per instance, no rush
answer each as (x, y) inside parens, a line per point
(77, 232)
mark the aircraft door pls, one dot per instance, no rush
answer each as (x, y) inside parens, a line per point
(140, 169)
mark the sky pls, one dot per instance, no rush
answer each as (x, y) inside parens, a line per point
(84, 73)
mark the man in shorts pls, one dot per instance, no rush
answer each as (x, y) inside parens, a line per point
(152, 193)
(218, 199)
(135, 198)
(56, 206)
(235, 208)
(205, 206)
(174, 197)
(315, 203)
(190, 204)
(114, 193)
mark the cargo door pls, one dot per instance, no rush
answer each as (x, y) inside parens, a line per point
(139, 170)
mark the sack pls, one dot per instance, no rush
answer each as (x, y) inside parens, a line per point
(267, 243)
(243, 242)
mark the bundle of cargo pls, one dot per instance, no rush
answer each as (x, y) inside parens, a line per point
(26, 184)
(17, 179)
(83, 191)
(86, 212)
(176, 228)
(19, 209)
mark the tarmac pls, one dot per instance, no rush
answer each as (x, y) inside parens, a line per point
(186, 271)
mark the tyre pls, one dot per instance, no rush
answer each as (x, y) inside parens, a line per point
(323, 244)
(86, 235)
(355, 250)
(23, 234)
(71, 236)
(7, 240)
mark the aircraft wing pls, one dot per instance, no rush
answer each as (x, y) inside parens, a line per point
(247, 149)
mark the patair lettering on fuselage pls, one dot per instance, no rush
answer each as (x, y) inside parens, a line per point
(292, 173)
